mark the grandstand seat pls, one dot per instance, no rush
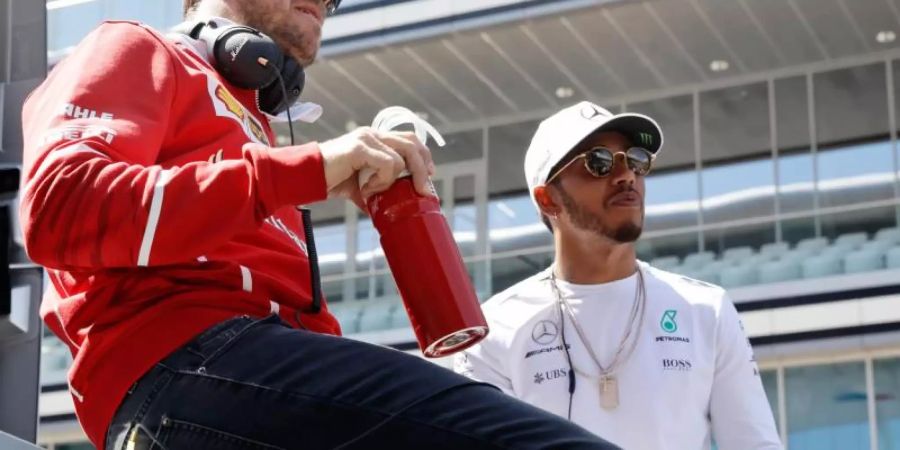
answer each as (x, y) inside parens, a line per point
(347, 314)
(400, 319)
(838, 251)
(664, 262)
(376, 316)
(814, 244)
(880, 246)
(774, 248)
(780, 270)
(737, 253)
(798, 254)
(851, 240)
(891, 235)
(893, 258)
(735, 276)
(821, 265)
(698, 260)
(863, 261)
(709, 273)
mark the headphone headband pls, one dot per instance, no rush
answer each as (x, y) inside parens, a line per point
(235, 51)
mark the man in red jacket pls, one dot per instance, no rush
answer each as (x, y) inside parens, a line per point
(180, 280)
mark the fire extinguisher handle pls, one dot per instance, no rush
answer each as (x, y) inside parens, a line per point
(390, 118)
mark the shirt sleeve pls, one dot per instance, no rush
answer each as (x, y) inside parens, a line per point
(479, 366)
(93, 193)
(739, 410)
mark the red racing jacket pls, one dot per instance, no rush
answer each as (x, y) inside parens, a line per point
(153, 222)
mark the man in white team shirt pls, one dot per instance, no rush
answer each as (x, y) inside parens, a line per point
(648, 359)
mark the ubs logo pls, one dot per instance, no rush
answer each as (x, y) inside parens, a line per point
(540, 377)
(680, 365)
(544, 332)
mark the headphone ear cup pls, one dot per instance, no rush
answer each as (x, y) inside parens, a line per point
(272, 99)
(236, 54)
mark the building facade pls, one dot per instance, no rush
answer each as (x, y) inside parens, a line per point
(778, 178)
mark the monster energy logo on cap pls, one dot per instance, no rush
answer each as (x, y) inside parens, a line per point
(646, 138)
(667, 323)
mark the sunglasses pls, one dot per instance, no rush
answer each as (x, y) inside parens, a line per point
(331, 6)
(599, 161)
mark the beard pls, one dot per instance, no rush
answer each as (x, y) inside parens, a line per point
(585, 220)
(299, 45)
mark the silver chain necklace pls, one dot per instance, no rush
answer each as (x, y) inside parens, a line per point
(609, 385)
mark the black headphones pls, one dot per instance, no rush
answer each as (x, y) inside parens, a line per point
(249, 59)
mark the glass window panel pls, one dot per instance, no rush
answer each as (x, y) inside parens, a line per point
(369, 258)
(508, 271)
(856, 173)
(734, 122)
(74, 446)
(331, 247)
(720, 239)
(460, 147)
(851, 104)
(795, 230)
(855, 163)
(826, 407)
(796, 182)
(679, 245)
(506, 157)
(514, 224)
(465, 220)
(159, 14)
(671, 200)
(675, 116)
(887, 402)
(792, 114)
(55, 360)
(333, 290)
(770, 385)
(67, 25)
(331, 210)
(867, 220)
(738, 190)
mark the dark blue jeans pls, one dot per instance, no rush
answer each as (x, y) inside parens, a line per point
(258, 384)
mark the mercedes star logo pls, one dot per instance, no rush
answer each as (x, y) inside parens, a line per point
(544, 332)
(590, 112)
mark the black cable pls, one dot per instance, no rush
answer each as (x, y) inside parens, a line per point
(283, 93)
(313, 262)
(562, 332)
(315, 280)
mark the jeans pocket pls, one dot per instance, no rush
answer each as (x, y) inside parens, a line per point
(177, 434)
(216, 340)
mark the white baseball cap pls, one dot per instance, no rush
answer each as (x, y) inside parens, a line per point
(558, 134)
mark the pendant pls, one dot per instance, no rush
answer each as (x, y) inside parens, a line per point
(609, 392)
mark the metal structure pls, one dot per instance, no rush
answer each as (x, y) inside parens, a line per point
(23, 65)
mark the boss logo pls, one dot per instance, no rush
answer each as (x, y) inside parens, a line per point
(681, 365)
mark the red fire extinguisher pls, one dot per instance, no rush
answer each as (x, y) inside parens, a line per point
(423, 257)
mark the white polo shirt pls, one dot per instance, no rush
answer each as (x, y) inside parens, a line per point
(691, 376)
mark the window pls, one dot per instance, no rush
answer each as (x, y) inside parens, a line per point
(675, 116)
(855, 161)
(826, 407)
(770, 385)
(792, 140)
(506, 156)
(734, 124)
(671, 200)
(887, 402)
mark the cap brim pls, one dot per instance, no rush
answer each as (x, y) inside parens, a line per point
(642, 130)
